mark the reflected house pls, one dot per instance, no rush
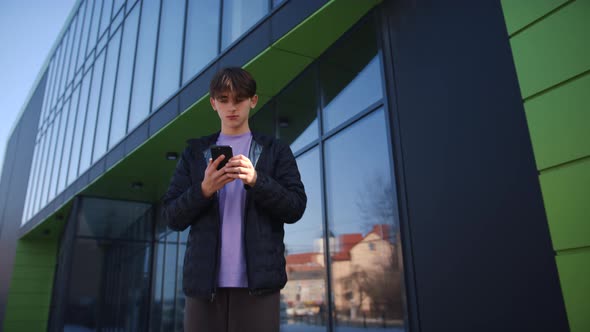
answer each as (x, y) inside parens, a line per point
(367, 275)
(306, 280)
(366, 270)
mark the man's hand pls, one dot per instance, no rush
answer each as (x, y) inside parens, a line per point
(240, 167)
(215, 179)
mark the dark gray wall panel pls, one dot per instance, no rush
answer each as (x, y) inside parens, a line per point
(482, 255)
(13, 187)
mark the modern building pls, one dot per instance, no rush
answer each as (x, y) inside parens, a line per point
(444, 147)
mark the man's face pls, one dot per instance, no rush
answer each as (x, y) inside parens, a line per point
(233, 111)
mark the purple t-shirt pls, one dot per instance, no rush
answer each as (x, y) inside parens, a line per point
(232, 201)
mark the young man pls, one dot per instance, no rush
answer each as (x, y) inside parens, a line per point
(234, 266)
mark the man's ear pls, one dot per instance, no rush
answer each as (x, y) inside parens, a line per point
(253, 101)
(212, 101)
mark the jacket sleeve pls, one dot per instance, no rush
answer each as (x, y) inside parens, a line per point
(283, 197)
(183, 202)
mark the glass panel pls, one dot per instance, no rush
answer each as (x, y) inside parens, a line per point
(167, 78)
(39, 184)
(169, 287)
(297, 107)
(50, 159)
(55, 83)
(362, 214)
(46, 96)
(180, 299)
(66, 61)
(109, 279)
(90, 124)
(63, 118)
(93, 36)
(86, 8)
(117, 21)
(114, 219)
(30, 185)
(72, 50)
(351, 77)
(102, 42)
(144, 64)
(202, 34)
(123, 86)
(156, 310)
(105, 19)
(79, 128)
(303, 300)
(275, 3)
(76, 46)
(63, 171)
(117, 5)
(106, 98)
(239, 16)
(62, 50)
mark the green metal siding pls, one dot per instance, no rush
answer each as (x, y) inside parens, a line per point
(29, 297)
(551, 52)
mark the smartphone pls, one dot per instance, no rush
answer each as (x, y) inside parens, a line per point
(218, 150)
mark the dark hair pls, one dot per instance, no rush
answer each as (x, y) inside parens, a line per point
(235, 80)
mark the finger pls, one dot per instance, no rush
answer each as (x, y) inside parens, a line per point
(218, 160)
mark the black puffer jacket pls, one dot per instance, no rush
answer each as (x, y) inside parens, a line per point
(277, 198)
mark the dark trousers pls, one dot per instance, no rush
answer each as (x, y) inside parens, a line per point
(233, 310)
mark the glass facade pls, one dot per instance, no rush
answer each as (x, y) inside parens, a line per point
(120, 60)
(116, 63)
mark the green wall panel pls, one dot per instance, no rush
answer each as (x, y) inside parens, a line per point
(574, 273)
(554, 49)
(25, 326)
(519, 13)
(566, 191)
(29, 296)
(559, 123)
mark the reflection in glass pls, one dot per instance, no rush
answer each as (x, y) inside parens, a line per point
(106, 98)
(71, 59)
(144, 64)
(239, 16)
(202, 27)
(366, 265)
(79, 128)
(86, 10)
(167, 78)
(93, 36)
(110, 275)
(63, 171)
(53, 127)
(37, 197)
(303, 300)
(59, 157)
(105, 16)
(168, 303)
(351, 77)
(92, 111)
(297, 109)
(123, 86)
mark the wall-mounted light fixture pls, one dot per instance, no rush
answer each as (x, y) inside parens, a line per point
(171, 156)
(136, 185)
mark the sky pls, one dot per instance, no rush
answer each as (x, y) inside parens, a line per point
(28, 30)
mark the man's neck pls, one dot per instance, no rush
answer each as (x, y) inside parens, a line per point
(235, 131)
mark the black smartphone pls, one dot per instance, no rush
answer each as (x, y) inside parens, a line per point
(218, 150)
